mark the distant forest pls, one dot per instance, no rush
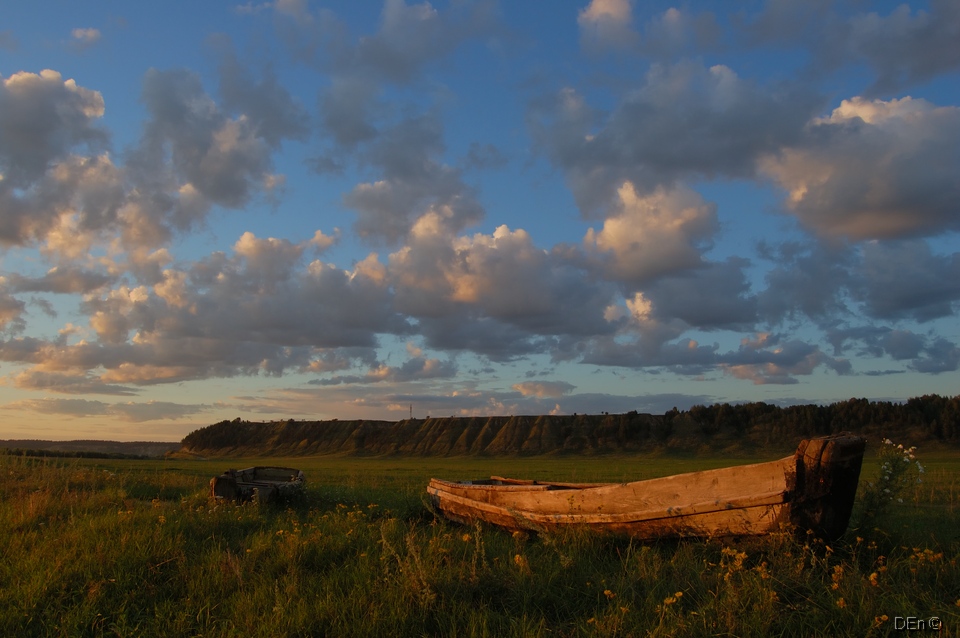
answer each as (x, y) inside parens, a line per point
(748, 426)
(930, 417)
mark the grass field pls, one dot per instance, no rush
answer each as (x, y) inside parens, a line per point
(135, 548)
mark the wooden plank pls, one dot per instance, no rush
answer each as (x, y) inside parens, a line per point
(813, 489)
(617, 498)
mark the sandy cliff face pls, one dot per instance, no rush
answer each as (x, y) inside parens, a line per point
(449, 436)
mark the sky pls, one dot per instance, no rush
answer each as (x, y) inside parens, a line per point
(318, 210)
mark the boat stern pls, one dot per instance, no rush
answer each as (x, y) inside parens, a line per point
(825, 484)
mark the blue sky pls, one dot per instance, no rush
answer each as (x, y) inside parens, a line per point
(314, 210)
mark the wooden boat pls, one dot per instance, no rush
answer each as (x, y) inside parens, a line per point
(262, 484)
(813, 489)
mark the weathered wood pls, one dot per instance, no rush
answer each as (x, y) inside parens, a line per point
(263, 484)
(813, 489)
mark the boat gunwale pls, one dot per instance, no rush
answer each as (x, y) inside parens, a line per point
(777, 497)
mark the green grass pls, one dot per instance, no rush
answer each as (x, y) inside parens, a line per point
(135, 548)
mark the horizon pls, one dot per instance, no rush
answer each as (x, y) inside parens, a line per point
(314, 211)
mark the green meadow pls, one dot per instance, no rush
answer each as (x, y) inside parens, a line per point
(136, 548)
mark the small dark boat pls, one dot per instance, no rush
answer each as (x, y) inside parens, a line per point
(262, 484)
(813, 489)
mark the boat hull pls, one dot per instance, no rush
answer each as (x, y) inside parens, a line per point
(812, 489)
(262, 484)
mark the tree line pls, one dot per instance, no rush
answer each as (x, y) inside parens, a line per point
(929, 417)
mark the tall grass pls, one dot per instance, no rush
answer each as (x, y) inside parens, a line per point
(123, 548)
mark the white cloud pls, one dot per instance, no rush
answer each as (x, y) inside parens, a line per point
(83, 39)
(684, 121)
(44, 120)
(653, 235)
(491, 293)
(607, 24)
(874, 170)
(544, 389)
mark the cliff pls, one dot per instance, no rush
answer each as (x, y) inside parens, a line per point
(449, 436)
(930, 420)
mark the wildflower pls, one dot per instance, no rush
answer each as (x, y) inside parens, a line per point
(873, 579)
(609, 594)
(161, 519)
(841, 603)
(466, 538)
(521, 561)
(879, 620)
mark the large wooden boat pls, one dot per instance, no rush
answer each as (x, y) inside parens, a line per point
(813, 489)
(263, 484)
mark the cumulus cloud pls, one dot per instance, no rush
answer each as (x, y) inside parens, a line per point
(11, 310)
(60, 187)
(83, 39)
(924, 353)
(414, 184)
(413, 35)
(901, 280)
(408, 36)
(713, 297)
(678, 31)
(273, 113)
(348, 109)
(767, 360)
(607, 24)
(44, 120)
(686, 120)
(806, 279)
(942, 356)
(649, 236)
(907, 48)
(416, 368)
(874, 170)
(904, 48)
(498, 294)
(260, 310)
(62, 280)
(544, 389)
(223, 158)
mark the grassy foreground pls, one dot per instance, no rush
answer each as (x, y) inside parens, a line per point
(134, 548)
